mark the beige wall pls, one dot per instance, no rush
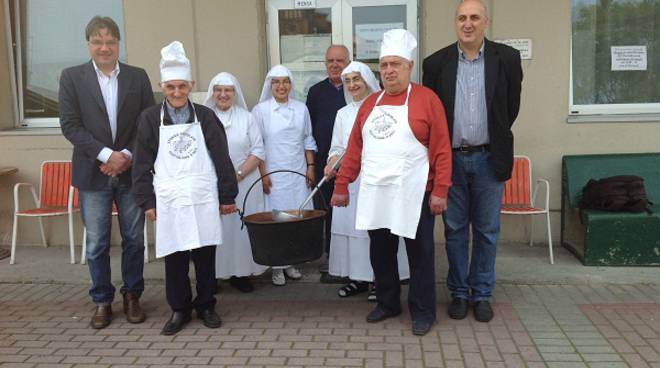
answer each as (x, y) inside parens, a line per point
(230, 35)
(6, 100)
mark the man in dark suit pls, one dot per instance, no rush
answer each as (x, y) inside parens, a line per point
(99, 104)
(479, 82)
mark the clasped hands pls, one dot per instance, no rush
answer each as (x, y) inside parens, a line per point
(116, 165)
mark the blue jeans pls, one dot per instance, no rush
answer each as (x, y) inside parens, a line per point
(96, 211)
(475, 198)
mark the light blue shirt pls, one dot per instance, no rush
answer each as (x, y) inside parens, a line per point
(470, 111)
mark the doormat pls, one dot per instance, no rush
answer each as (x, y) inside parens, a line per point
(4, 253)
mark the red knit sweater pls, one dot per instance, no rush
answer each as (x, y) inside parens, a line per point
(426, 116)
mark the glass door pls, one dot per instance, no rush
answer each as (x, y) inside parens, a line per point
(299, 37)
(365, 21)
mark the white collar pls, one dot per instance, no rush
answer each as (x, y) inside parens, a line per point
(100, 73)
(274, 105)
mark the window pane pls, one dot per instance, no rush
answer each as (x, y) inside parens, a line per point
(599, 25)
(305, 35)
(53, 38)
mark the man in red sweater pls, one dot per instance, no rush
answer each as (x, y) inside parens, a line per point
(399, 147)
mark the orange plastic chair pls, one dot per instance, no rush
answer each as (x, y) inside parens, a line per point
(83, 255)
(518, 201)
(56, 198)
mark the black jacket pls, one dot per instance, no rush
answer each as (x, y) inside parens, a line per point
(146, 150)
(84, 119)
(503, 74)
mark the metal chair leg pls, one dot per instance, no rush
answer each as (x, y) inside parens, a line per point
(13, 240)
(552, 258)
(43, 233)
(83, 256)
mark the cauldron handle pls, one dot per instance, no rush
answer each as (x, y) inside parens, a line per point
(242, 213)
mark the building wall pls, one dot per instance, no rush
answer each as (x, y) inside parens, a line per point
(230, 36)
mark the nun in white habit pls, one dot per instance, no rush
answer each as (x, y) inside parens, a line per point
(233, 260)
(287, 133)
(349, 248)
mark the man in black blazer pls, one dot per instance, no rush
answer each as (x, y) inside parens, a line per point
(99, 104)
(479, 83)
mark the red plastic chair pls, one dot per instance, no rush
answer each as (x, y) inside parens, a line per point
(56, 198)
(83, 255)
(518, 201)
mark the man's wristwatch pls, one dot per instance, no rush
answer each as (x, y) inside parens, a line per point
(239, 173)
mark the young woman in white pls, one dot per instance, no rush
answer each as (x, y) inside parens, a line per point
(233, 259)
(349, 248)
(287, 132)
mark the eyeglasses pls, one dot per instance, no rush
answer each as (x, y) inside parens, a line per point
(99, 43)
(278, 82)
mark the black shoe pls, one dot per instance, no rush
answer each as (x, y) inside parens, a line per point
(378, 314)
(243, 284)
(483, 312)
(210, 318)
(175, 323)
(458, 309)
(421, 328)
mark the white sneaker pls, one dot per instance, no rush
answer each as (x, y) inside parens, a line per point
(293, 273)
(278, 277)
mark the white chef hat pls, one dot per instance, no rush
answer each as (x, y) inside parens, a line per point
(277, 71)
(398, 42)
(174, 65)
(366, 74)
(225, 79)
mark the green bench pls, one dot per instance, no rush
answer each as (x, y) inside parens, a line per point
(601, 238)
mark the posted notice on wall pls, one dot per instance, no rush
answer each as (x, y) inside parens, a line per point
(304, 48)
(368, 38)
(629, 58)
(523, 45)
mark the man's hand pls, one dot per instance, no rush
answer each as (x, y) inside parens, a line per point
(310, 176)
(339, 200)
(266, 184)
(150, 214)
(117, 164)
(226, 209)
(437, 205)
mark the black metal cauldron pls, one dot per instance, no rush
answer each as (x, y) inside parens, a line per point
(281, 243)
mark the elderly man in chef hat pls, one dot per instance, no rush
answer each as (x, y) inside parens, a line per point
(193, 182)
(400, 145)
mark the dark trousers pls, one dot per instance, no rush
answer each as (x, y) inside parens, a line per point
(421, 259)
(177, 282)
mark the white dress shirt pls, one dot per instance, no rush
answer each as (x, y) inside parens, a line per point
(109, 87)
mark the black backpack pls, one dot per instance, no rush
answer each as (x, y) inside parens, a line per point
(621, 193)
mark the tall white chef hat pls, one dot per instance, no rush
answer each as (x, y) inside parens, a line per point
(366, 74)
(277, 71)
(174, 65)
(225, 79)
(398, 42)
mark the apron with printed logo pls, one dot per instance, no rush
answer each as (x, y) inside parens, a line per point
(394, 172)
(185, 184)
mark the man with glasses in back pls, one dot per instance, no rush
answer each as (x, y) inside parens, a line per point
(324, 99)
(99, 103)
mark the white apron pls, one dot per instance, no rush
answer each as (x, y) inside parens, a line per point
(284, 137)
(185, 184)
(394, 172)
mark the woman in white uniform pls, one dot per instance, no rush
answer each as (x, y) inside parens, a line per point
(287, 133)
(349, 248)
(233, 260)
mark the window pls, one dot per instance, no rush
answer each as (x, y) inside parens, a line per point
(615, 57)
(48, 37)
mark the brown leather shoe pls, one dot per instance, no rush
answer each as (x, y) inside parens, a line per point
(102, 317)
(132, 309)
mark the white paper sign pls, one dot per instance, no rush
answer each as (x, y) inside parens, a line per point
(369, 37)
(524, 45)
(629, 58)
(304, 4)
